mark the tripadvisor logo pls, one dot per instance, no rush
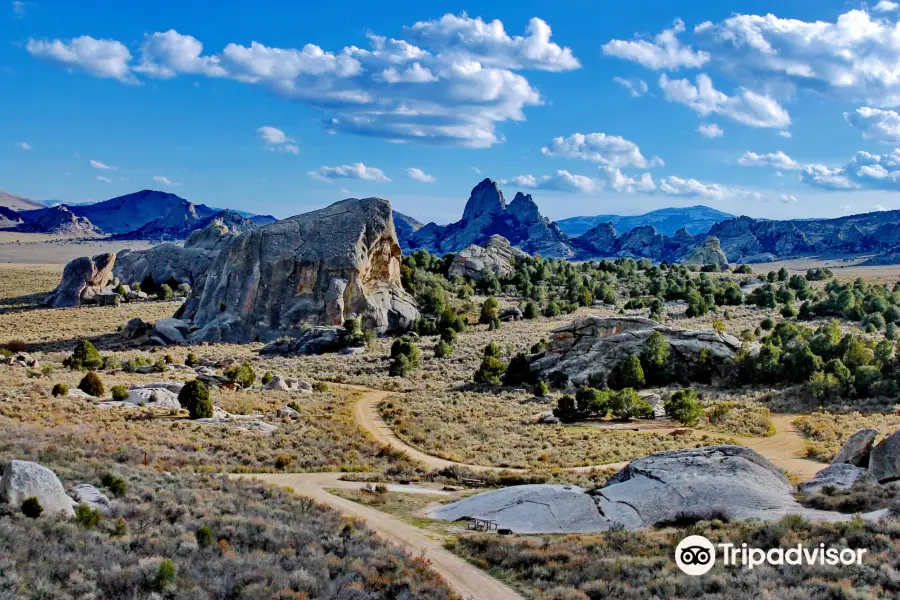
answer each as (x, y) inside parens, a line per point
(696, 555)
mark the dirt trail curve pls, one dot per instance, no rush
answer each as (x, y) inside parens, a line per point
(783, 449)
(467, 580)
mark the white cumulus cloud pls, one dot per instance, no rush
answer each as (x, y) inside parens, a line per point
(96, 164)
(611, 150)
(164, 181)
(746, 107)
(876, 124)
(864, 171)
(885, 6)
(664, 52)
(275, 140)
(452, 81)
(24, 146)
(777, 160)
(711, 131)
(419, 175)
(353, 171)
(636, 87)
(561, 181)
(620, 182)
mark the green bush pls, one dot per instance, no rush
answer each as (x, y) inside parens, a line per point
(519, 371)
(60, 389)
(448, 335)
(320, 386)
(165, 575)
(490, 310)
(531, 310)
(492, 349)
(626, 405)
(243, 375)
(351, 327)
(627, 373)
(400, 366)
(194, 397)
(31, 507)
(865, 378)
(86, 517)
(541, 389)
(490, 370)
(92, 385)
(164, 292)
(683, 407)
(267, 377)
(204, 536)
(114, 484)
(84, 358)
(119, 393)
(442, 349)
(192, 360)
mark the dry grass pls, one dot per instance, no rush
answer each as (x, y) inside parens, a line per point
(500, 429)
(827, 432)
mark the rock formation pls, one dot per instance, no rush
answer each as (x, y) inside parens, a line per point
(710, 253)
(486, 213)
(857, 448)
(23, 479)
(599, 240)
(702, 483)
(83, 280)
(496, 256)
(405, 226)
(9, 217)
(60, 220)
(321, 267)
(694, 219)
(592, 344)
(884, 461)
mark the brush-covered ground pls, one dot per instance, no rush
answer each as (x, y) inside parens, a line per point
(640, 564)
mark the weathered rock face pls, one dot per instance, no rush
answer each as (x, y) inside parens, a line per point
(487, 214)
(186, 264)
(83, 280)
(710, 253)
(23, 479)
(317, 268)
(641, 242)
(592, 344)
(60, 220)
(884, 461)
(840, 476)
(701, 483)
(856, 449)
(599, 240)
(497, 256)
(88, 494)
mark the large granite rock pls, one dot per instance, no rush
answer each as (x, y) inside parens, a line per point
(884, 461)
(839, 476)
(23, 479)
(599, 240)
(186, 264)
(90, 495)
(486, 213)
(710, 253)
(83, 280)
(496, 256)
(593, 344)
(856, 449)
(703, 483)
(321, 268)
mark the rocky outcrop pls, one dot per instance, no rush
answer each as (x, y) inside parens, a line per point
(598, 241)
(884, 461)
(185, 264)
(60, 220)
(730, 482)
(321, 268)
(710, 253)
(23, 479)
(405, 226)
(839, 476)
(83, 280)
(641, 242)
(593, 344)
(486, 214)
(9, 217)
(496, 256)
(183, 223)
(856, 449)
(94, 498)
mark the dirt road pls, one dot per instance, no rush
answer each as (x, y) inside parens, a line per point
(783, 449)
(467, 580)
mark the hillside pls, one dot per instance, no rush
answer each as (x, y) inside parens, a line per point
(18, 203)
(180, 225)
(666, 221)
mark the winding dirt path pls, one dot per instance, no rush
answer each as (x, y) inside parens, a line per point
(467, 580)
(783, 449)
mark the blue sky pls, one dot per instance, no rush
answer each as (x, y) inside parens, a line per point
(771, 109)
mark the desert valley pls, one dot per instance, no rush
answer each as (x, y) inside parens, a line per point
(347, 403)
(450, 300)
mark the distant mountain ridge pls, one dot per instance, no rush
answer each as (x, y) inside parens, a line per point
(18, 203)
(695, 219)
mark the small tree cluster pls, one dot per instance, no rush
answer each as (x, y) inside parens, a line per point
(404, 358)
